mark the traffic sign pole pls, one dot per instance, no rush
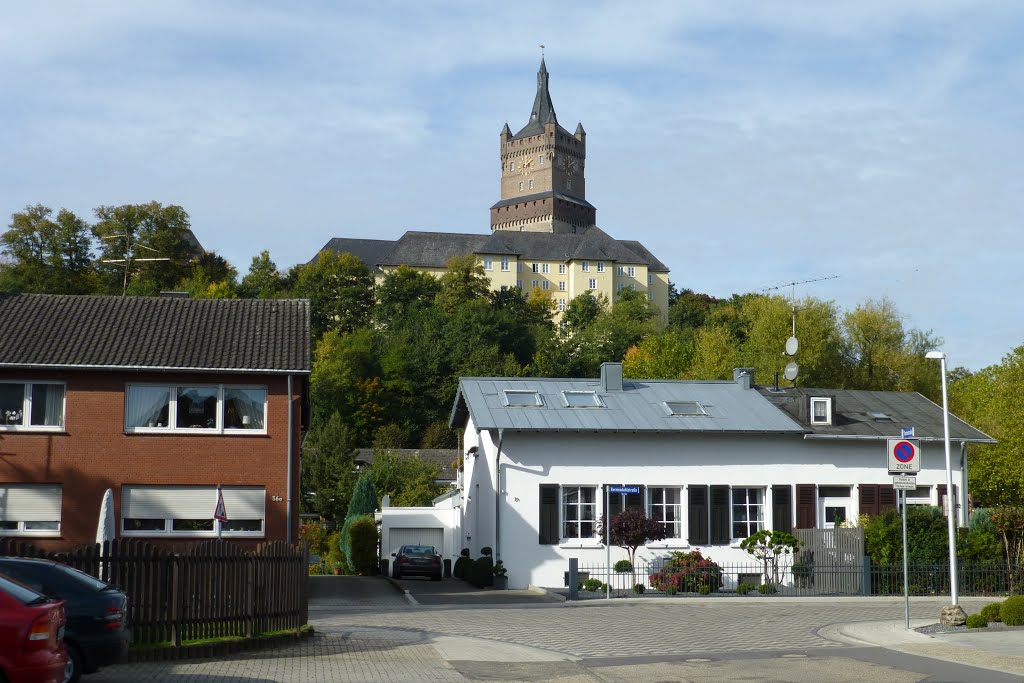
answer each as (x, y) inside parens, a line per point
(906, 583)
(607, 542)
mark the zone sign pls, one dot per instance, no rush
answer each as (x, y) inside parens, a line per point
(904, 456)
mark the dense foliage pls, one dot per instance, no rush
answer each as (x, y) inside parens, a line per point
(689, 572)
(631, 529)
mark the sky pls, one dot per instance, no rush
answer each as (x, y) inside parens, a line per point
(747, 144)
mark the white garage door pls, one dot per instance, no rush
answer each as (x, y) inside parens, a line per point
(401, 536)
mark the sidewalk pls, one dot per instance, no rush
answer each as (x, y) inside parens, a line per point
(1001, 649)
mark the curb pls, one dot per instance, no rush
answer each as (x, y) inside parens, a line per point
(544, 591)
(406, 594)
(207, 650)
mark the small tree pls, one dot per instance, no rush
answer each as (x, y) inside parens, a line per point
(631, 529)
(364, 502)
(769, 547)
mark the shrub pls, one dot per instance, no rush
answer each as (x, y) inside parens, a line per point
(482, 572)
(638, 588)
(592, 585)
(1012, 610)
(335, 557)
(464, 552)
(976, 621)
(623, 566)
(991, 612)
(767, 588)
(499, 569)
(315, 535)
(363, 534)
(744, 588)
(461, 568)
(688, 573)
(486, 551)
(670, 590)
(704, 589)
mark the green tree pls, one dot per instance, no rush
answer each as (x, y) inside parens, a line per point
(47, 255)
(327, 469)
(340, 292)
(362, 504)
(582, 311)
(690, 310)
(402, 291)
(409, 481)
(345, 381)
(263, 281)
(664, 355)
(769, 547)
(464, 281)
(212, 277)
(715, 354)
(144, 231)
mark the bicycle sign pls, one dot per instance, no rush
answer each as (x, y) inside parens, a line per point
(904, 456)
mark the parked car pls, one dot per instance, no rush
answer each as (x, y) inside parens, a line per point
(31, 636)
(97, 632)
(417, 560)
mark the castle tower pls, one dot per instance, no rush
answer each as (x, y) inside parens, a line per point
(543, 188)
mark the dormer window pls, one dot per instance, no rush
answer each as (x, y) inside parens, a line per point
(517, 398)
(821, 411)
(582, 399)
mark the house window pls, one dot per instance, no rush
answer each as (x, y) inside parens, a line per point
(650, 295)
(622, 271)
(504, 264)
(561, 269)
(747, 511)
(632, 271)
(650, 279)
(585, 265)
(196, 409)
(488, 263)
(592, 283)
(618, 502)
(821, 411)
(621, 286)
(519, 284)
(31, 406)
(544, 267)
(188, 511)
(582, 399)
(536, 284)
(534, 267)
(578, 512)
(665, 507)
(561, 286)
(544, 284)
(30, 509)
(519, 266)
(520, 398)
(561, 305)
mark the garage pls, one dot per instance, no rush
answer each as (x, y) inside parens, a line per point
(399, 536)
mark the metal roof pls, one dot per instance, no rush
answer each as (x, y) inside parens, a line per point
(637, 408)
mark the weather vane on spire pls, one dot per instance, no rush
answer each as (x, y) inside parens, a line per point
(542, 50)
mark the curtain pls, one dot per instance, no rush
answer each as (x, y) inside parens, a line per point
(148, 406)
(54, 411)
(244, 408)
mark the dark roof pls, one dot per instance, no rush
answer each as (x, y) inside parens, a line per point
(653, 263)
(431, 249)
(370, 252)
(443, 457)
(543, 110)
(594, 244)
(512, 201)
(267, 336)
(859, 414)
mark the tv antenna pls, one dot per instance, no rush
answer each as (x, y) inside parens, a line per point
(129, 256)
(792, 345)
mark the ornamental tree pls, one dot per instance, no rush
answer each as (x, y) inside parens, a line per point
(769, 547)
(631, 529)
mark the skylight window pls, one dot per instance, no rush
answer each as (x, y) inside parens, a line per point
(582, 399)
(685, 408)
(517, 398)
(881, 417)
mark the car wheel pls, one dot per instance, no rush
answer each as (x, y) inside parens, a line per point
(73, 669)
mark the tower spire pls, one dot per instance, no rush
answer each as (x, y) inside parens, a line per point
(543, 110)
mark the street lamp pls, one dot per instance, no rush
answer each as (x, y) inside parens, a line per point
(950, 498)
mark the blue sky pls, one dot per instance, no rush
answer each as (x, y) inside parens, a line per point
(747, 144)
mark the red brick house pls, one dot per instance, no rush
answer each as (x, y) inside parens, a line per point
(159, 399)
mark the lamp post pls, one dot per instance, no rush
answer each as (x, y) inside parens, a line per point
(950, 498)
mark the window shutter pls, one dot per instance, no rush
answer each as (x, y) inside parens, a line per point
(886, 497)
(806, 515)
(191, 502)
(868, 499)
(720, 532)
(782, 508)
(698, 515)
(30, 503)
(548, 521)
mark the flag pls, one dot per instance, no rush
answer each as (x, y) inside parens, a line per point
(220, 513)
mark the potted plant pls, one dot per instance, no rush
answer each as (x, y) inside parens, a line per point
(500, 575)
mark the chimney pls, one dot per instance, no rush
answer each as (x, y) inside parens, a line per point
(611, 377)
(744, 377)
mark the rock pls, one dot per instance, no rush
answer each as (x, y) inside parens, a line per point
(952, 615)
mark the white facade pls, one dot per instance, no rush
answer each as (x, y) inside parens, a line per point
(437, 526)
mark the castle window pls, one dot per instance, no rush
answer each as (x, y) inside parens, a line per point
(585, 266)
(650, 278)
(561, 269)
(488, 263)
(519, 267)
(513, 166)
(592, 283)
(600, 266)
(621, 286)
(536, 284)
(504, 264)
(531, 183)
(622, 271)
(540, 159)
(543, 267)
(520, 185)
(561, 286)
(519, 284)
(650, 295)
(568, 183)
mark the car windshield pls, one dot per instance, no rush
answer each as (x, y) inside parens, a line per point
(25, 596)
(419, 550)
(91, 582)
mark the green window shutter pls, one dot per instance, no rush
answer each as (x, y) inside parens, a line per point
(782, 508)
(698, 514)
(548, 521)
(721, 534)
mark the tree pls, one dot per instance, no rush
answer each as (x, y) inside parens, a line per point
(409, 481)
(340, 292)
(402, 291)
(47, 256)
(689, 309)
(631, 529)
(715, 354)
(345, 381)
(362, 504)
(665, 355)
(263, 281)
(464, 281)
(582, 311)
(144, 231)
(769, 547)
(327, 469)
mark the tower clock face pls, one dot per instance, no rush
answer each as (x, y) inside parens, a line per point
(571, 166)
(527, 165)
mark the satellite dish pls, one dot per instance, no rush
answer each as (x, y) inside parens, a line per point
(791, 346)
(791, 371)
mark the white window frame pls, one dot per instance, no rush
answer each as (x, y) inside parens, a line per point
(598, 402)
(488, 263)
(561, 305)
(218, 429)
(622, 271)
(540, 160)
(544, 267)
(561, 285)
(592, 283)
(561, 269)
(535, 284)
(678, 506)
(544, 284)
(585, 266)
(759, 507)
(600, 266)
(817, 400)
(535, 268)
(504, 264)
(210, 491)
(20, 421)
(520, 185)
(32, 504)
(631, 271)
(563, 507)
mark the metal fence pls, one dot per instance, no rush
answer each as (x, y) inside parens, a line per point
(213, 590)
(817, 579)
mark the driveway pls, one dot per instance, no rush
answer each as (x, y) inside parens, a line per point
(458, 593)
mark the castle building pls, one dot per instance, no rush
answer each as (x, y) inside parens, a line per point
(544, 232)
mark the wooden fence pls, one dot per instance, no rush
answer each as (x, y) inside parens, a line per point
(835, 557)
(213, 590)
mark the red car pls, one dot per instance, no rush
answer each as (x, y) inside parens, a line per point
(31, 636)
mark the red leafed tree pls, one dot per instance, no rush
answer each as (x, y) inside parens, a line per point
(631, 529)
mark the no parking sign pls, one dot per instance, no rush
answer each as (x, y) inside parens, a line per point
(904, 456)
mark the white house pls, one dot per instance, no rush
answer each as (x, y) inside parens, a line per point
(714, 460)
